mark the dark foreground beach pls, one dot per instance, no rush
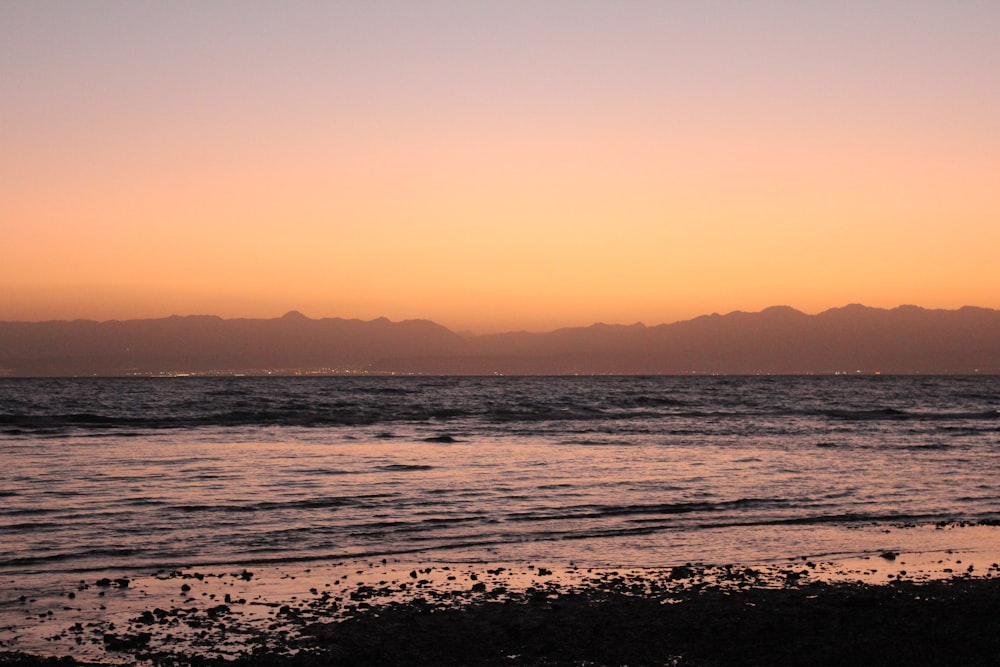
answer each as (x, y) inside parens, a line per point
(795, 613)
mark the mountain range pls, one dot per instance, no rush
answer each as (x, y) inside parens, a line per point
(777, 340)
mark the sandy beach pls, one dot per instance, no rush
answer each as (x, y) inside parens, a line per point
(930, 608)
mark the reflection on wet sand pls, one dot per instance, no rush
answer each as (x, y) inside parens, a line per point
(271, 613)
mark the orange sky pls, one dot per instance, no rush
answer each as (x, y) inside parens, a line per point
(496, 166)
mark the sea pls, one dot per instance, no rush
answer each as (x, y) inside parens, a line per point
(133, 475)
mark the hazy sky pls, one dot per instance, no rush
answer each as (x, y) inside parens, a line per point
(496, 165)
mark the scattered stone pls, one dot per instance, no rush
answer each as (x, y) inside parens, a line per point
(114, 642)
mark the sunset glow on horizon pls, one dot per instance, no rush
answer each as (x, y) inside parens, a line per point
(496, 166)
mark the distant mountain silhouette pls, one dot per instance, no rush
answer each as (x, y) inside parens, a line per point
(778, 340)
(204, 344)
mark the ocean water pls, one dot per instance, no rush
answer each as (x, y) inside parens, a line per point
(139, 474)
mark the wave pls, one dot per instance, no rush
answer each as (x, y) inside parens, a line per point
(126, 419)
(30, 526)
(331, 502)
(67, 556)
(839, 518)
(657, 509)
(867, 415)
(893, 414)
(28, 424)
(403, 467)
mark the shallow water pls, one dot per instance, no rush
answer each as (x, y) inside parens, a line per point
(324, 485)
(120, 474)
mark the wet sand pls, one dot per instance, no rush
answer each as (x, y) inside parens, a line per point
(933, 608)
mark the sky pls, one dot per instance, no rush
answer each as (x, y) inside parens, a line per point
(496, 166)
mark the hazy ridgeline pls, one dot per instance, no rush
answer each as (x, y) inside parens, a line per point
(779, 340)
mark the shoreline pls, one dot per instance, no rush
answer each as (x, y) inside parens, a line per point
(410, 612)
